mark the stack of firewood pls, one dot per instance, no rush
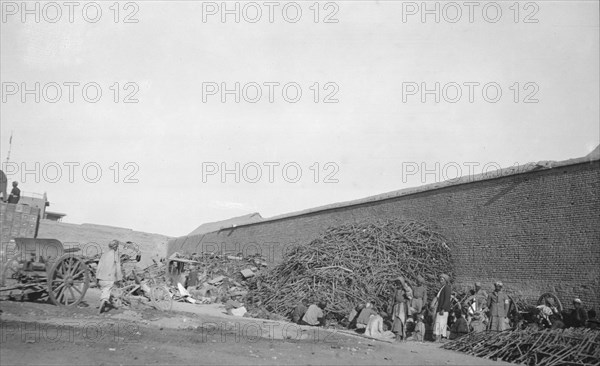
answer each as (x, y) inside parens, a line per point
(353, 264)
(572, 346)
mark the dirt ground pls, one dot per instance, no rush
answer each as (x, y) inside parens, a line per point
(39, 333)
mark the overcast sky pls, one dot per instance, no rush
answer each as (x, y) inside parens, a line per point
(371, 60)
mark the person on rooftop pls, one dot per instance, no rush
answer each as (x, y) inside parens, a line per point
(15, 194)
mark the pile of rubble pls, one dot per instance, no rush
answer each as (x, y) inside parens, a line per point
(209, 278)
(197, 279)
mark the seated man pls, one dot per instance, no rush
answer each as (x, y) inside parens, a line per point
(15, 193)
(363, 317)
(460, 327)
(374, 328)
(314, 315)
(477, 325)
(548, 314)
(578, 314)
(592, 322)
(299, 311)
(354, 315)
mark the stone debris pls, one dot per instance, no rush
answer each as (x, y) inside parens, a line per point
(247, 273)
(208, 277)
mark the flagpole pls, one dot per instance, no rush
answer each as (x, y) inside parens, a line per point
(9, 147)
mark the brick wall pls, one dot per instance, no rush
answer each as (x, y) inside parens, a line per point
(17, 220)
(537, 231)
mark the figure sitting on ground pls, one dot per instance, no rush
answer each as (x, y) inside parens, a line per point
(354, 315)
(299, 311)
(374, 328)
(578, 317)
(477, 325)
(592, 322)
(314, 315)
(363, 317)
(460, 327)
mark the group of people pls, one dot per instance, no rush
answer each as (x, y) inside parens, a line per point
(313, 314)
(408, 313)
(548, 316)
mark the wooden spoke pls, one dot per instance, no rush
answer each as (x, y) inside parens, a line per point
(72, 293)
(74, 268)
(61, 294)
(59, 286)
(79, 273)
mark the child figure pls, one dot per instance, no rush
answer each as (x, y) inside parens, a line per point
(460, 327)
(477, 325)
(419, 334)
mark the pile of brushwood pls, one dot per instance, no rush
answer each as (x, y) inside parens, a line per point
(572, 346)
(353, 264)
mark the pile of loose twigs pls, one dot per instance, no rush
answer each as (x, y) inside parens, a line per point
(353, 264)
(572, 346)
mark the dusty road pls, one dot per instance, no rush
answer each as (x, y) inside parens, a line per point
(34, 333)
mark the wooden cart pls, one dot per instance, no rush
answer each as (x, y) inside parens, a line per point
(41, 268)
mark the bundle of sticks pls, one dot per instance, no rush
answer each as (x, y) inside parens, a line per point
(353, 264)
(572, 346)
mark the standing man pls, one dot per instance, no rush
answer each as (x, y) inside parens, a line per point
(498, 303)
(479, 301)
(419, 296)
(108, 272)
(479, 290)
(402, 297)
(443, 308)
(15, 194)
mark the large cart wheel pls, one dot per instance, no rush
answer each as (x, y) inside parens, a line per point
(513, 314)
(68, 280)
(551, 300)
(454, 303)
(9, 271)
(161, 298)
